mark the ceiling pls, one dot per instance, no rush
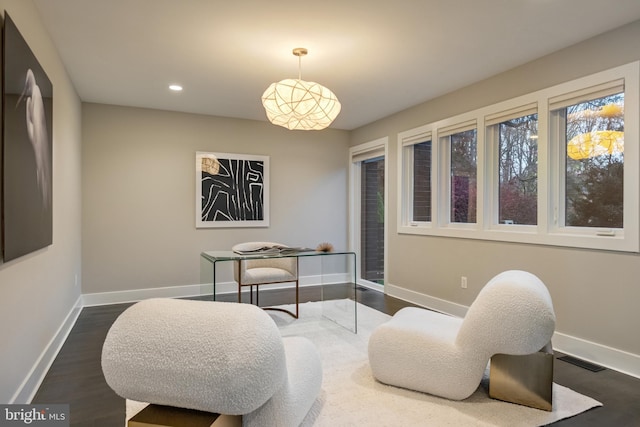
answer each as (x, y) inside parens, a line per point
(378, 56)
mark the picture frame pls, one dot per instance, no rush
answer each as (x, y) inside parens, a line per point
(232, 190)
(27, 148)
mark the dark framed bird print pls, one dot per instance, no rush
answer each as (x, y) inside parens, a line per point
(27, 148)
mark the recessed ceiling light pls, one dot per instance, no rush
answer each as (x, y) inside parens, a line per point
(175, 88)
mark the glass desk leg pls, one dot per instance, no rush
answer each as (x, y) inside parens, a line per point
(207, 276)
(339, 302)
(214, 280)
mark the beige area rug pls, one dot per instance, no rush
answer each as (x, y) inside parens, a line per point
(350, 395)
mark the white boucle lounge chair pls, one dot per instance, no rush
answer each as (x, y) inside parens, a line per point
(447, 356)
(219, 357)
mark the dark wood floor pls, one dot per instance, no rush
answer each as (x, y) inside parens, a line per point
(76, 376)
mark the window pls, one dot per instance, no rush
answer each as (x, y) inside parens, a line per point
(463, 176)
(518, 171)
(368, 213)
(544, 168)
(372, 220)
(460, 140)
(513, 136)
(422, 181)
(417, 152)
(592, 138)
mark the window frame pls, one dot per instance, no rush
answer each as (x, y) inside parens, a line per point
(551, 169)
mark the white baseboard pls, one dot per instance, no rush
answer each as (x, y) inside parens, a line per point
(424, 300)
(134, 295)
(612, 358)
(31, 383)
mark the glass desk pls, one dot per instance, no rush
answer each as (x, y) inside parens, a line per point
(342, 311)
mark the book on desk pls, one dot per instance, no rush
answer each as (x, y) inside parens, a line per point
(274, 250)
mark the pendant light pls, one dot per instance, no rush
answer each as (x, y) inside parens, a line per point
(297, 104)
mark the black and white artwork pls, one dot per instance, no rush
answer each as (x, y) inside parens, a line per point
(27, 148)
(232, 190)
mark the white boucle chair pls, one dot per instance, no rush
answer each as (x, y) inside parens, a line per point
(447, 356)
(219, 357)
(265, 271)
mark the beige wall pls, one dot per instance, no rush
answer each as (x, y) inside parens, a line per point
(595, 293)
(39, 290)
(138, 225)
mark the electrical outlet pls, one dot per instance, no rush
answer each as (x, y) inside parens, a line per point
(463, 282)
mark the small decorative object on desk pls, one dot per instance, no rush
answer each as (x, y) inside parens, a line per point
(325, 247)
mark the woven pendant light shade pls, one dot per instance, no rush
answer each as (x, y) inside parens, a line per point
(297, 104)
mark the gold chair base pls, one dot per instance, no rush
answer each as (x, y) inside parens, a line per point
(525, 380)
(169, 416)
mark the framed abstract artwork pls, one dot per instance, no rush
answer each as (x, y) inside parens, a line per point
(27, 148)
(232, 190)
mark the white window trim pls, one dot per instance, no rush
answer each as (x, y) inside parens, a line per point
(546, 232)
